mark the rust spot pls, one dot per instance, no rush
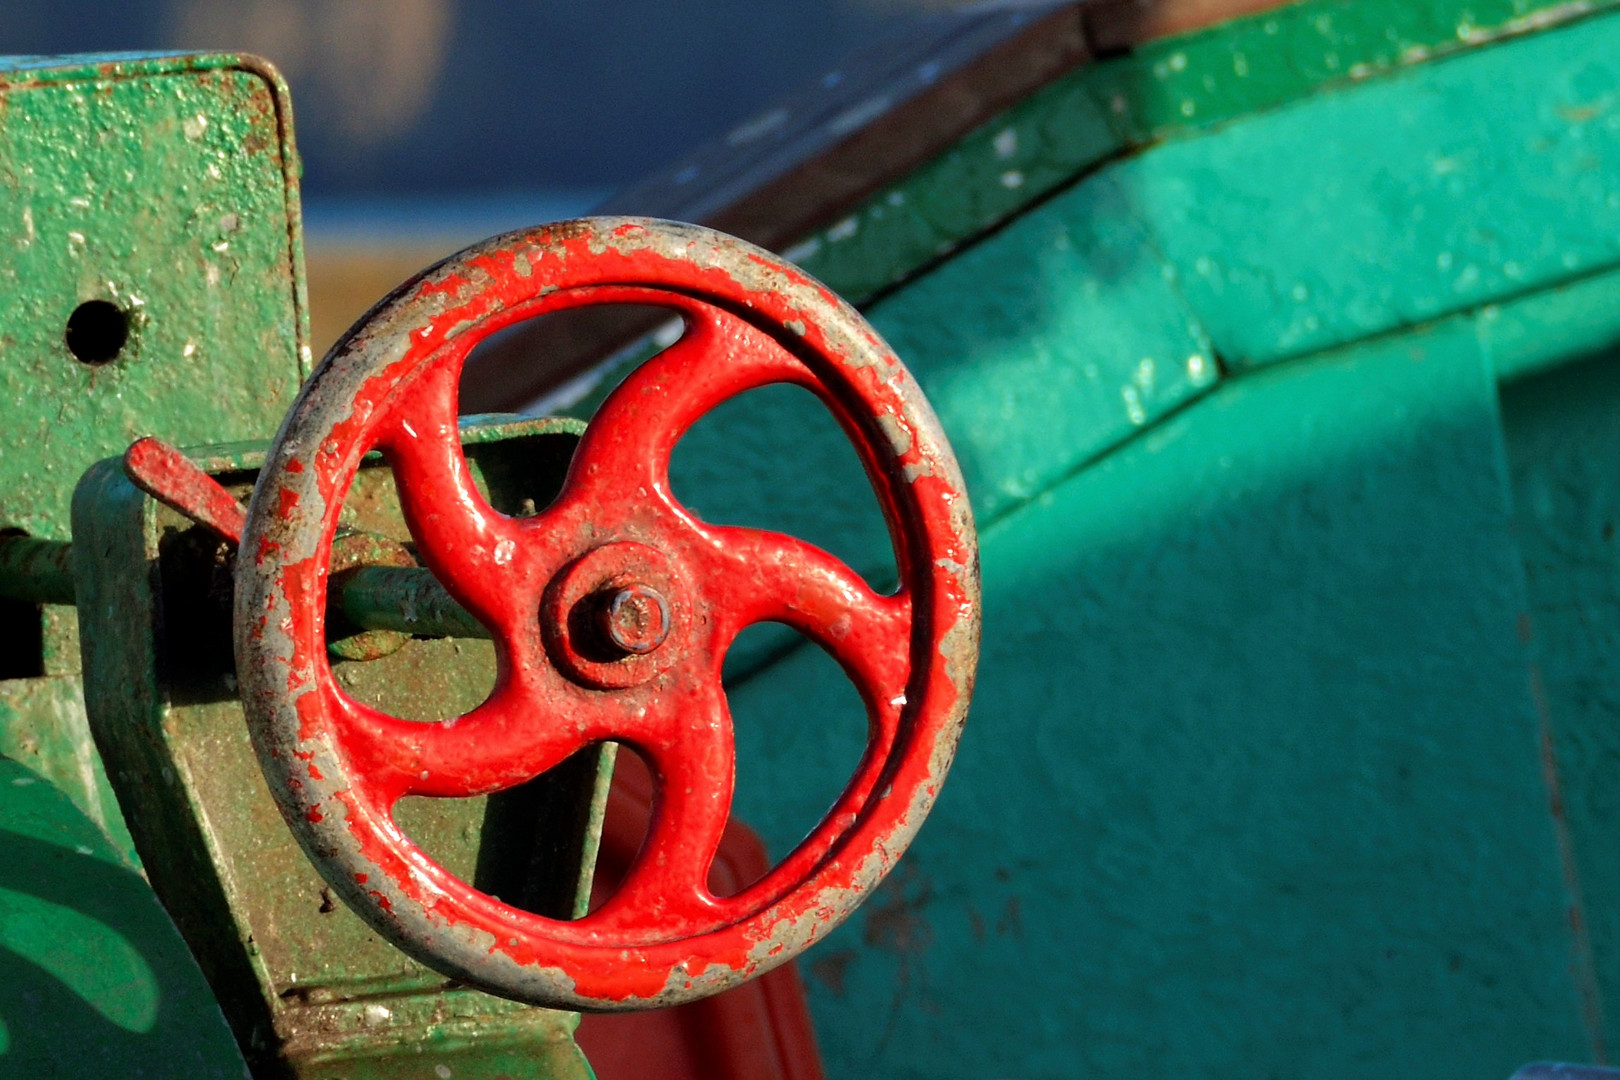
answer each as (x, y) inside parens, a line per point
(895, 922)
(1012, 919)
(831, 970)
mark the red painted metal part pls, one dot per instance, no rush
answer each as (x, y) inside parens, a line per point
(759, 1031)
(170, 477)
(338, 767)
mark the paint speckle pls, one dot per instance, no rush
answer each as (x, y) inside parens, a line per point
(844, 229)
(1006, 143)
(194, 126)
(1133, 405)
(1012, 179)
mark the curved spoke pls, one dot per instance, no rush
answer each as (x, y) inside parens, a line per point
(625, 451)
(687, 738)
(476, 552)
(765, 576)
(511, 738)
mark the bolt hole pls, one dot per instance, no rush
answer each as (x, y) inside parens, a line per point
(96, 332)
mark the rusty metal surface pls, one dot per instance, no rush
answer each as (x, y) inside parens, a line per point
(338, 767)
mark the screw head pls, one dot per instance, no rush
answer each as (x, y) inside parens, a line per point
(636, 619)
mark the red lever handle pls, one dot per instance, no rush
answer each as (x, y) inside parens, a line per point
(173, 479)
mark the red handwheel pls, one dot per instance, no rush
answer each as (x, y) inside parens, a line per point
(611, 612)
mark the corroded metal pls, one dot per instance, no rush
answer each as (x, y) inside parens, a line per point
(338, 768)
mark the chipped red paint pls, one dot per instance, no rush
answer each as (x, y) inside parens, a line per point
(391, 385)
(170, 477)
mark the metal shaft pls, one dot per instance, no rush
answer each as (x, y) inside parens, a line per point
(36, 571)
(406, 599)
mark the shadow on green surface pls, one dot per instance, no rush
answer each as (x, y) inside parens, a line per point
(94, 979)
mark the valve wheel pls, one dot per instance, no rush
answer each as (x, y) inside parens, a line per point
(611, 613)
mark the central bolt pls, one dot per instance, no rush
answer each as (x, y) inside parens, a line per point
(635, 619)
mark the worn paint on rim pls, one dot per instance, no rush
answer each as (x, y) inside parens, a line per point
(337, 768)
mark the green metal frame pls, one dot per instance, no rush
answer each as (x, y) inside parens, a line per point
(310, 990)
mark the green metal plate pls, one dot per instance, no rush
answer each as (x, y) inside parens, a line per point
(166, 186)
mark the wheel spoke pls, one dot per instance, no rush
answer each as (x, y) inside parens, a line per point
(624, 454)
(762, 576)
(482, 557)
(686, 737)
(513, 737)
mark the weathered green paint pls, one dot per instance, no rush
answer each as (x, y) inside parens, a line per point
(1563, 443)
(94, 981)
(1455, 184)
(1553, 328)
(1255, 782)
(306, 985)
(1170, 89)
(166, 185)
(48, 732)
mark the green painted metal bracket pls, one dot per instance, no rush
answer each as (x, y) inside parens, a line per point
(163, 192)
(307, 987)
